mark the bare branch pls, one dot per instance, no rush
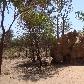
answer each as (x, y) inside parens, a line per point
(13, 21)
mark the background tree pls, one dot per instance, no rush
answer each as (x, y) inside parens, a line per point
(61, 9)
(3, 7)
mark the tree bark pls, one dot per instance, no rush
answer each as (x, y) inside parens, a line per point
(3, 35)
(38, 54)
(63, 25)
(57, 29)
(26, 52)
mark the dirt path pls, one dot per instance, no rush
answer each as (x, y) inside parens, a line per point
(66, 75)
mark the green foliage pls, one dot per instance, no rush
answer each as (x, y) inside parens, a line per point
(80, 15)
(42, 3)
(33, 18)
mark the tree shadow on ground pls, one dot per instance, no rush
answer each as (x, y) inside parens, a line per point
(31, 71)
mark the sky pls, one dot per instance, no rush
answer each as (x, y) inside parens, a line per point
(78, 5)
(8, 21)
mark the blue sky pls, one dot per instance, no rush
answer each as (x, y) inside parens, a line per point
(9, 19)
(78, 5)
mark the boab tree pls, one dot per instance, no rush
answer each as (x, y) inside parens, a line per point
(62, 51)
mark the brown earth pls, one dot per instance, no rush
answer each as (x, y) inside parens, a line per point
(14, 73)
